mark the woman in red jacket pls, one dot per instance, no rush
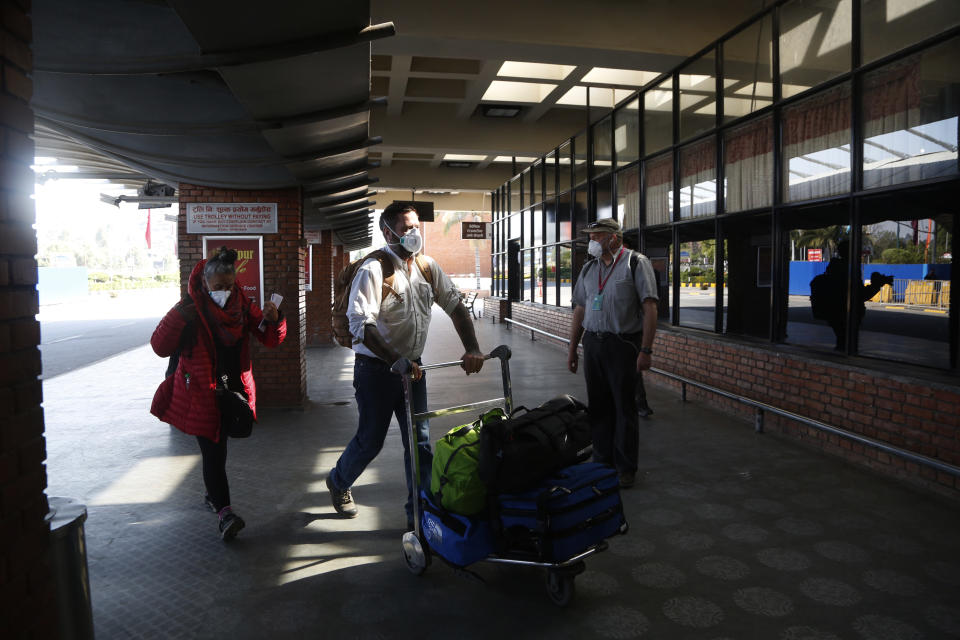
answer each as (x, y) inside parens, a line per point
(211, 328)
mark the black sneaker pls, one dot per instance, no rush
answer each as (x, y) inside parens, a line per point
(644, 411)
(230, 526)
(627, 480)
(342, 501)
(208, 503)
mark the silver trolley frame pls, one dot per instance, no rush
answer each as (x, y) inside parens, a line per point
(416, 553)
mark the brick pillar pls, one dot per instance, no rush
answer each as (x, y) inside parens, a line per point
(320, 300)
(280, 374)
(27, 586)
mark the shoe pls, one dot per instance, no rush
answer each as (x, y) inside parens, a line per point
(208, 503)
(230, 525)
(627, 480)
(342, 501)
(644, 411)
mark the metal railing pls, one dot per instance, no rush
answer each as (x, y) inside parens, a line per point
(922, 294)
(762, 408)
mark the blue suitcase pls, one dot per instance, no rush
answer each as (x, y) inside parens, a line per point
(569, 512)
(458, 539)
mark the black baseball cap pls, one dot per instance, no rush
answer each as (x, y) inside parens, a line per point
(604, 225)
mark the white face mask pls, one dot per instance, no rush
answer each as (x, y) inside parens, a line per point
(595, 249)
(220, 297)
(411, 241)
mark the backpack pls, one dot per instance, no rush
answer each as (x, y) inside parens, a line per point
(516, 455)
(825, 300)
(455, 481)
(344, 281)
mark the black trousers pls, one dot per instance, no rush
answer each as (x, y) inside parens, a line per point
(610, 368)
(214, 456)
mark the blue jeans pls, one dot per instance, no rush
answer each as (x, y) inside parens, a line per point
(379, 394)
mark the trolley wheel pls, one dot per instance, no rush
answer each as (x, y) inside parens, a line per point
(560, 587)
(415, 553)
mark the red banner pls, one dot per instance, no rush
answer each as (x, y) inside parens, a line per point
(249, 261)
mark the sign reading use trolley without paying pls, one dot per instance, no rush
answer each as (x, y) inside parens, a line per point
(232, 217)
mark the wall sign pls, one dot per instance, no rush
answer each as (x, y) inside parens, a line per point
(307, 275)
(473, 230)
(232, 217)
(249, 263)
(313, 237)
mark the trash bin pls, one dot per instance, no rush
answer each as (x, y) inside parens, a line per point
(68, 555)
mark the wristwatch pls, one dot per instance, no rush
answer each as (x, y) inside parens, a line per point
(646, 350)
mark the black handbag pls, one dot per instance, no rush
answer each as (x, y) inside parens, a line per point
(236, 417)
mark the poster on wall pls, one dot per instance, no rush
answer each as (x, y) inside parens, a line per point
(308, 260)
(249, 263)
(232, 217)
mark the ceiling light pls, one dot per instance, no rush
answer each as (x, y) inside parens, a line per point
(500, 110)
(538, 70)
(466, 157)
(523, 159)
(508, 91)
(602, 75)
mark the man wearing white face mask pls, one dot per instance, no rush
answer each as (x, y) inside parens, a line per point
(615, 311)
(389, 325)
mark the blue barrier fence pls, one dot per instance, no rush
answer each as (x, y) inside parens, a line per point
(801, 273)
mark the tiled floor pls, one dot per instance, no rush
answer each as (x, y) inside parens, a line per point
(732, 535)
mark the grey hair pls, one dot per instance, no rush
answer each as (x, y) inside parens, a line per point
(221, 262)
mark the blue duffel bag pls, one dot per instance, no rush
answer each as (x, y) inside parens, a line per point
(457, 539)
(569, 512)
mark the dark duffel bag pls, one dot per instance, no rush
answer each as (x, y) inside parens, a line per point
(568, 513)
(519, 453)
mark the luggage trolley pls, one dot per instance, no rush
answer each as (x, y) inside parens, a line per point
(416, 553)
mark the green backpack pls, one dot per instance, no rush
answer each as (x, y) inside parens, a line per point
(455, 481)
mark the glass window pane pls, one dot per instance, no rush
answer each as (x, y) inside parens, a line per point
(891, 25)
(536, 293)
(906, 264)
(659, 248)
(580, 159)
(626, 133)
(910, 118)
(566, 288)
(602, 148)
(564, 216)
(515, 195)
(563, 168)
(698, 179)
(698, 96)
(580, 210)
(658, 117)
(748, 70)
(628, 197)
(550, 174)
(528, 281)
(550, 279)
(536, 182)
(816, 146)
(813, 237)
(659, 180)
(748, 166)
(603, 197)
(550, 220)
(537, 215)
(747, 290)
(526, 188)
(698, 292)
(815, 38)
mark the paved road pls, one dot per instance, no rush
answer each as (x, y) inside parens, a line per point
(79, 333)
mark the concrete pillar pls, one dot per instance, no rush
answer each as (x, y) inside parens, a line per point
(27, 586)
(280, 374)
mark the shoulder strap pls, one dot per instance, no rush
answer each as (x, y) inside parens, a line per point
(386, 265)
(425, 269)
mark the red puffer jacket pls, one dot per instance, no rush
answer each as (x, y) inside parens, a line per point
(189, 402)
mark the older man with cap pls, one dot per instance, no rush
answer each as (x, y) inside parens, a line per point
(615, 312)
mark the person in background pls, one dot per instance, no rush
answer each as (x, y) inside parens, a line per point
(615, 312)
(211, 327)
(389, 326)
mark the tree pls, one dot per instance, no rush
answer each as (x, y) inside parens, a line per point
(904, 255)
(826, 238)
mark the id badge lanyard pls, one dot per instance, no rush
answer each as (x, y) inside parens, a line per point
(598, 299)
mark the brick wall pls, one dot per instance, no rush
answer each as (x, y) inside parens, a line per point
(27, 587)
(319, 301)
(280, 374)
(457, 257)
(909, 412)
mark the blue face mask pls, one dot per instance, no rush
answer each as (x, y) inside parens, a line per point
(220, 297)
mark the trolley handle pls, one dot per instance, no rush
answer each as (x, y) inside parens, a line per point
(404, 365)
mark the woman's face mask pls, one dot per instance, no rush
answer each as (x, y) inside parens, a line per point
(220, 297)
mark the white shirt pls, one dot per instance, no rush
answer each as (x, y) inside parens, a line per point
(402, 323)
